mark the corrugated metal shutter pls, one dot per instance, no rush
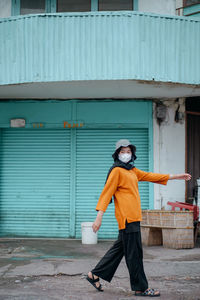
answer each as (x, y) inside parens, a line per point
(35, 180)
(94, 150)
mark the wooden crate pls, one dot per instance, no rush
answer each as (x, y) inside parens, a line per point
(183, 219)
(151, 236)
(172, 229)
(178, 238)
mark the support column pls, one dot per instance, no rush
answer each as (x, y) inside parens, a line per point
(73, 174)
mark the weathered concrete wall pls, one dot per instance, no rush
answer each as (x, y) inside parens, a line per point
(5, 8)
(169, 156)
(158, 6)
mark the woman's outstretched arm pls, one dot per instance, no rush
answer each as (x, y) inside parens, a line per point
(184, 176)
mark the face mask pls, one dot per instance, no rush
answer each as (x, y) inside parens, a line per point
(125, 157)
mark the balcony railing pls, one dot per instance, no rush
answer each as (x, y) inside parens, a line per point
(99, 46)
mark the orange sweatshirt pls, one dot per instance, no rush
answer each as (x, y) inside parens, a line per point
(123, 184)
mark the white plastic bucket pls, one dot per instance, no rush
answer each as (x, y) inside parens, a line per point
(88, 235)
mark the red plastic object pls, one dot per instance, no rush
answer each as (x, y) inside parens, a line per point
(187, 206)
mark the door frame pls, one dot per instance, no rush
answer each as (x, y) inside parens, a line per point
(186, 144)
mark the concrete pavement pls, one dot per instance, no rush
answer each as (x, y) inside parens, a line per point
(41, 269)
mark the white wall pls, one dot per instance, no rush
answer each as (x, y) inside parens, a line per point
(5, 8)
(167, 7)
(169, 157)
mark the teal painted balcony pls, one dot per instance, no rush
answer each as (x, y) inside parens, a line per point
(99, 46)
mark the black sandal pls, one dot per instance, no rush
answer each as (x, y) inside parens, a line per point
(148, 293)
(93, 281)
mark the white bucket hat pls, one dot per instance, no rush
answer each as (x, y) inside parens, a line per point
(122, 143)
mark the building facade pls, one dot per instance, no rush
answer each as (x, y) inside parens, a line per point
(75, 77)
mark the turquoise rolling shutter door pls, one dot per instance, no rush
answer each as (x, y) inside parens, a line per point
(35, 175)
(94, 150)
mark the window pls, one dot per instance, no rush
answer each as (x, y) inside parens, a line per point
(190, 2)
(24, 7)
(115, 5)
(32, 7)
(73, 5)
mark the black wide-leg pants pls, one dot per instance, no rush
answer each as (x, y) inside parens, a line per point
(130, 245)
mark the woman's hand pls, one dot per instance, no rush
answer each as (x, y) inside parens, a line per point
(97, 223)
(184, 176)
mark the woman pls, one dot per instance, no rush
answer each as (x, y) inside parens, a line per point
(122, 183)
